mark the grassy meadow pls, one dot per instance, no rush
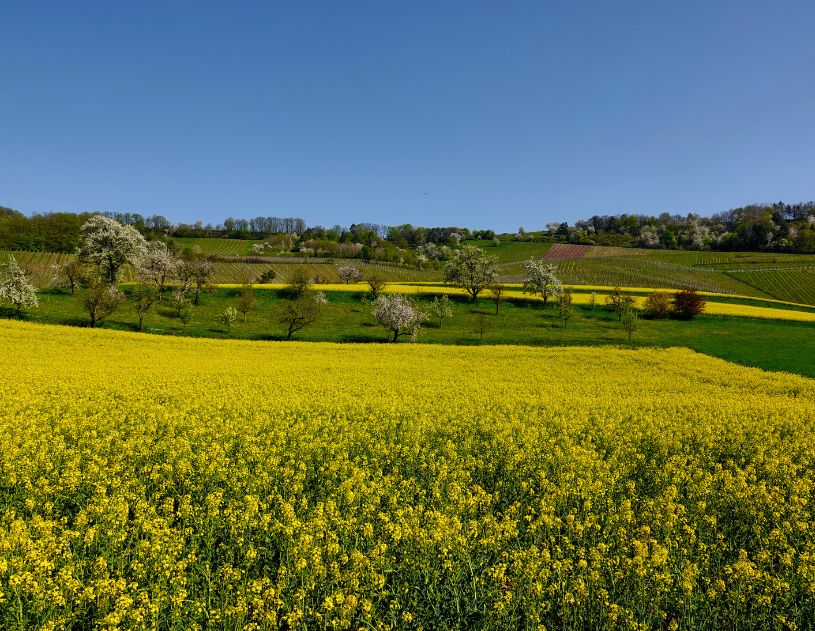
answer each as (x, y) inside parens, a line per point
(772, 343)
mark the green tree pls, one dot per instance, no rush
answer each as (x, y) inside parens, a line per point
(471, 269)
(618, 301)
(481, 324)
(246, 300)
(441, 308)
(185, 315)
(100, 301)
(299, 282)
(71, 273)
(376, 282)
(657, 305)
(497, 294)
(143, 297)
(629, 319)
(565, 309)
(301, 312)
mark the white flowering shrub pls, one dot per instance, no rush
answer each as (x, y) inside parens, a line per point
(398, 313)
(349, 274)
(14, 286)
(541, 279)
(157, 265)
(228, 317)
(110, 245)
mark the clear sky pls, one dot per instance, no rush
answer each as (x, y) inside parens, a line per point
(477, 114)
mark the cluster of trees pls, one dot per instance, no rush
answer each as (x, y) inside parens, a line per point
(106, 245)
(775, 227)
(41, 232)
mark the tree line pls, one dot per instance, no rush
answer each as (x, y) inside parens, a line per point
(777, 227)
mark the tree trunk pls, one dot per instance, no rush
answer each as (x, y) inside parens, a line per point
(141, 323)
(112, 272)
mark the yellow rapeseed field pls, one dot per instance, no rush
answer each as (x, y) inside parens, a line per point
(712, 308)
(157, 483)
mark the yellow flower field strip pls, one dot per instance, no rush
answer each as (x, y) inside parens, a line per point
(713, 308)
(720, 309)
(191, 483)
(405, 288)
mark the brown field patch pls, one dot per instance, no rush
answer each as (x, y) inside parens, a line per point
(566, 251)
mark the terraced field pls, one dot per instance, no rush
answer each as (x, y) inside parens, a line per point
(638, 273)
(789, 277)
(790, 285)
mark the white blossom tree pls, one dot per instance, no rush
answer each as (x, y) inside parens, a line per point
(157, 265)
(541, 279)
(14, 286)
(109, 245)
(471, 269)
(399, 314)
(349, 274)
(228, 318)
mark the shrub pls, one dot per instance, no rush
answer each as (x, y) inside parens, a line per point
(687, 304)
(658, 305)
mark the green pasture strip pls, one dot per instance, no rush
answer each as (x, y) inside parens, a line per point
(768, 344)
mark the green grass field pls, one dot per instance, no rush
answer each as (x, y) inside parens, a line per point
(768, 344)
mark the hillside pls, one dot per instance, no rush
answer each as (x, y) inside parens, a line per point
(787, 277)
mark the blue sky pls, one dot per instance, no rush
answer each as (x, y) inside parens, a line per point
(477, 114)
